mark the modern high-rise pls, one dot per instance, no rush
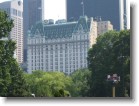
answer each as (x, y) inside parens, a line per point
(15, 11)
(112, 10)
(33, 12)
(62, 46)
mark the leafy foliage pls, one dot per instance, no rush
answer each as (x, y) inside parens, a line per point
(48, 84)
(12, 82)
(6, 25)
(111, 54)
(80, 85)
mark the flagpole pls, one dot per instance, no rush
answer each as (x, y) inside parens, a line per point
(83, 6)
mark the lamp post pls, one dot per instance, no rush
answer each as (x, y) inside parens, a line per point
(114, 79)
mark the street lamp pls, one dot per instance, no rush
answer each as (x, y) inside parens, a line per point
(114, 79)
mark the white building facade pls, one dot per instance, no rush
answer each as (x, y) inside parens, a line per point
(60, 47)
(15, 11)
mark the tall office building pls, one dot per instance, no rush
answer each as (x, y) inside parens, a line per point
(15, 11)
(125, 14)
(112, 10)
(33, 12)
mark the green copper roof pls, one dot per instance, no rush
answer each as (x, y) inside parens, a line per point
(62, 30)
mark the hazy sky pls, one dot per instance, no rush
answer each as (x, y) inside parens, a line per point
(54, 9)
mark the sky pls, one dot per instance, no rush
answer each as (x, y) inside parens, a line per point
(56, 9)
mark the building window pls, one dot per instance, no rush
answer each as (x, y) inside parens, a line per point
(51, 47)
(61, 47)
(56, 47)
(66, 46)
(19, 13)
(14, 11)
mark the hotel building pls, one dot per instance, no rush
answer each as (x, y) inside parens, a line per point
(62, 46)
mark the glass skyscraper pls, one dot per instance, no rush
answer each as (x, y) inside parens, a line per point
(112, 10)
(33, 12)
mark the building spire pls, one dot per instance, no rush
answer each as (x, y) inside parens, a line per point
(82, 3)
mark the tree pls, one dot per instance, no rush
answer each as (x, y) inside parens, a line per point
(12, 82)
(80, 85)
(48, 84)
(111, 54)
(122, 62)
(18, 86)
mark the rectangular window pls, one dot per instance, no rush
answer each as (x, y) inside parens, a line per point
(14, 12)
(61, 47)
(56, 47)
(51, 47)
(19, 14)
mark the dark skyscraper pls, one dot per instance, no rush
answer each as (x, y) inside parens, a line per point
(113, 10)
(33, 11)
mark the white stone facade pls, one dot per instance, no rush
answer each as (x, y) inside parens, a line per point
(62, 54)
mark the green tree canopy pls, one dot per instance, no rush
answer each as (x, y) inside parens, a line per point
(48, 84)
(12, 82)
(110, 55)
(80, 84)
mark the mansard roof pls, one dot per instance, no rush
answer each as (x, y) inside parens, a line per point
(62, 30)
